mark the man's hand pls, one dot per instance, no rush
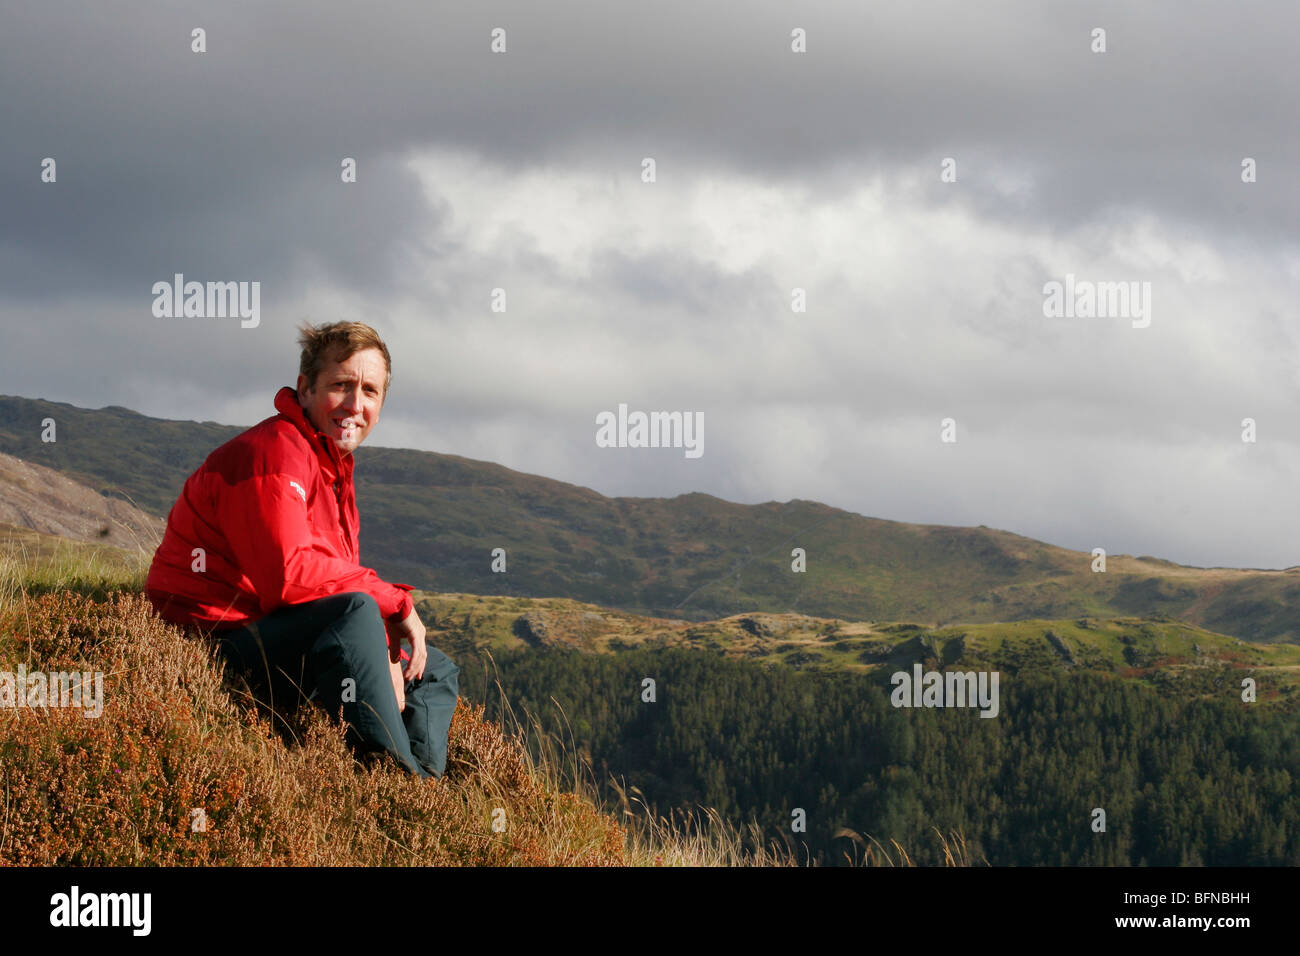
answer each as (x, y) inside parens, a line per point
(411, 629)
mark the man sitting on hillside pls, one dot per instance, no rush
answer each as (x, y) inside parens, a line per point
(261, 551)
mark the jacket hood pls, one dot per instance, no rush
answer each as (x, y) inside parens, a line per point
(286, 403)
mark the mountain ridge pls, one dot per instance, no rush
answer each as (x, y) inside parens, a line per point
(434, 519)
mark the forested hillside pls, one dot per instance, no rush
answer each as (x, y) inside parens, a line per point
(1181, 780)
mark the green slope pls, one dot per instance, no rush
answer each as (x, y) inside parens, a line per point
(1173, 657)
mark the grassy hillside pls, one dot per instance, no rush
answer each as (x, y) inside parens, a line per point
(432, 520)
(1168, 655)
(173, 748)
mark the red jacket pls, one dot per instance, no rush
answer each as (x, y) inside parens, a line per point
(275, 512)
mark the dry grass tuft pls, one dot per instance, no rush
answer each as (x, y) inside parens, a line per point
(870, 852)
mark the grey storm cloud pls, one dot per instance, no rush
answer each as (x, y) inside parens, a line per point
(231, 157)
(225, 166)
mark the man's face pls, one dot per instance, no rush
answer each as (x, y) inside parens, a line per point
(345, 402)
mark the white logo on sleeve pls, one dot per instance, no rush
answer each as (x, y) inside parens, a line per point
(297, 487)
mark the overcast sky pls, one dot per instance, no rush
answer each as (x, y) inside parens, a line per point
(775, 170)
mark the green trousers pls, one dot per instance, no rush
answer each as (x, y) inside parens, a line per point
(334, 651)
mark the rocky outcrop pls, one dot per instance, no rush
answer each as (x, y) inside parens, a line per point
(531, 628)
(1061, 648)
(42, 499)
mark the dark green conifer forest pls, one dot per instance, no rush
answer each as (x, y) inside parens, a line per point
(1181, 781)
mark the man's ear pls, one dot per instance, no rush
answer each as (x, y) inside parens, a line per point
(302, 388)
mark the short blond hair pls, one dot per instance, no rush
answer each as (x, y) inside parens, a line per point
(339, 341)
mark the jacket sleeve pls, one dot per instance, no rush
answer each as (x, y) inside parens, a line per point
(266, 524)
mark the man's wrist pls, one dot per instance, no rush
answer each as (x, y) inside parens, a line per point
(404, 608)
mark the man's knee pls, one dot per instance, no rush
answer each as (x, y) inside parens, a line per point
(358, 626)
(361, 621)
(359, 602)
